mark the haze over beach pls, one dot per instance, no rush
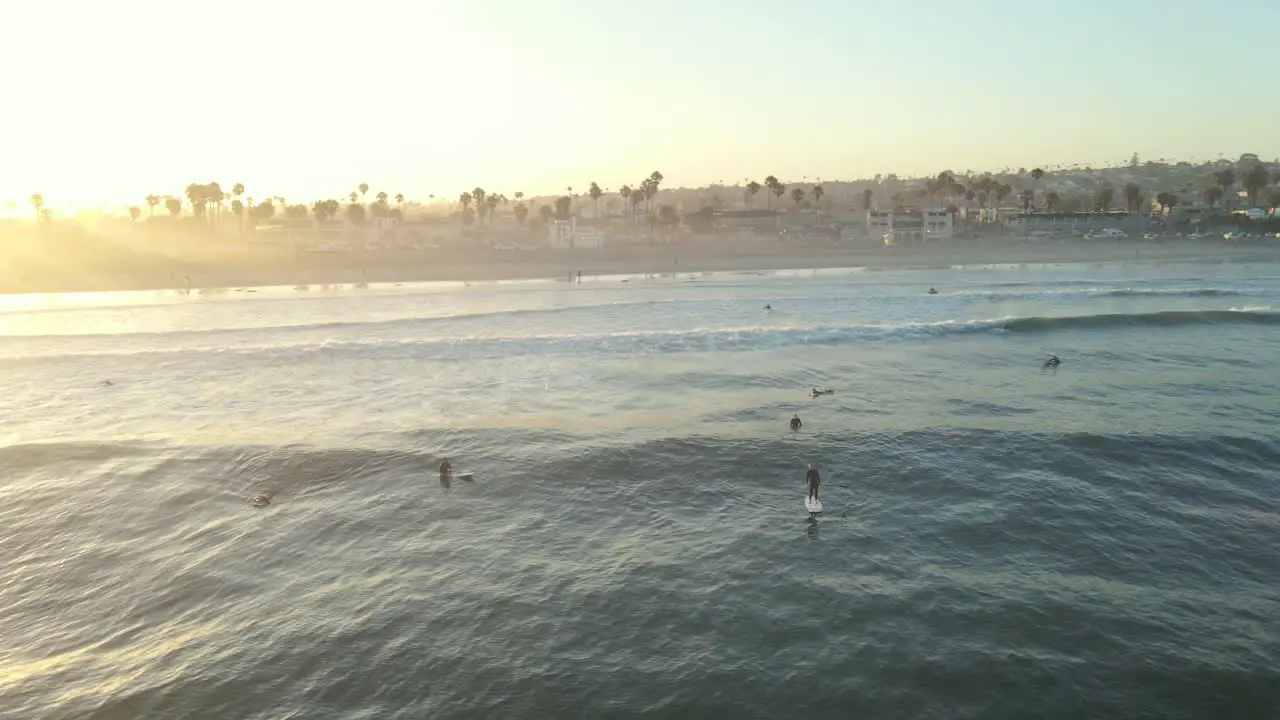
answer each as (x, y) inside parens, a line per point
(469, 360)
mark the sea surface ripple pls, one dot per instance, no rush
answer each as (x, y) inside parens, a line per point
(1001, 539)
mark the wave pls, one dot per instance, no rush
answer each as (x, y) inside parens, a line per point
(425, 321)
(413, 449)
(1163, 319)
(732, 339)
(1101, 292)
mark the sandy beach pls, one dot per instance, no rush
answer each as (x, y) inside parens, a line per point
(55, 267)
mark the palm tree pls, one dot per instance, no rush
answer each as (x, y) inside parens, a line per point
(1167, 201)
(353, 196)
(237, 189)
(818, 192)
(482, 208)
(625, 192)
(545, 212)
(650, 187)
(796, 196)
(1132, 197)
(400, 199)
(492, 203)
(753, 187)
(197, 195)
(1256, 178)
(595, 192)
(866, 199)
(1212, 195)
(1226, 177)
(938, 187)
(134, 213)
(1103, 197)
(779, 190)
(464, 199)
(521, 212)
(771, 183)
(1052, 201)
(214, 194)
(152, 202)
(637, 197)
(363, 188)
(37, 203)
(1037, 174)
(468, 216)
(173, 205)
(381, 197)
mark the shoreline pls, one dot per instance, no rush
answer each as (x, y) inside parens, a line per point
(257, 267)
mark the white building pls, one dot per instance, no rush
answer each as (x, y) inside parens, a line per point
(564, 235)
(910, 226)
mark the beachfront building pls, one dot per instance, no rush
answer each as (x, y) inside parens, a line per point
(309, 234)
(746, 225)
(560, 233)
(906, 226)
(566, 235)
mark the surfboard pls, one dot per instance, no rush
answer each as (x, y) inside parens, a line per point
(813, 506)
(467, 477)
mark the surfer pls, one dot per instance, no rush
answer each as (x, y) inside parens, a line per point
(768, 307)
(814, 481)
(261, 500)
(446, 474)
(1053, 362)
(933, 291)
(816, 392)
(795, 423)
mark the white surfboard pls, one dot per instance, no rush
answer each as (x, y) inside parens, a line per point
(813, 506)
(466, 477)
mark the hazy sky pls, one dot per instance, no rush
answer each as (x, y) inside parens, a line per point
(109, 101)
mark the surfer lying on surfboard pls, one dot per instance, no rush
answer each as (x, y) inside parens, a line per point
(816, 392)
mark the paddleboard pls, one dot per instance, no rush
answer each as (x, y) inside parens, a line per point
(813, 506)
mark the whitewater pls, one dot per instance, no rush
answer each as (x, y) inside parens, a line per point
(1001, 539)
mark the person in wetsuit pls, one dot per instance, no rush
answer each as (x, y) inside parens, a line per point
(795, 423)
(446, 473)
(814, 481)
(1053, 361)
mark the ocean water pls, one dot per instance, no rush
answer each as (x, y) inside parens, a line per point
(1001, 540)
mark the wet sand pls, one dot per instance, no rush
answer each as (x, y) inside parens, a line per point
(55, 269)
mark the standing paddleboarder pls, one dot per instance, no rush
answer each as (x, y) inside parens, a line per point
(814, 480)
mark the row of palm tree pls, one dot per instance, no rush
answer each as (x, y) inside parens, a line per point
(208, 200)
